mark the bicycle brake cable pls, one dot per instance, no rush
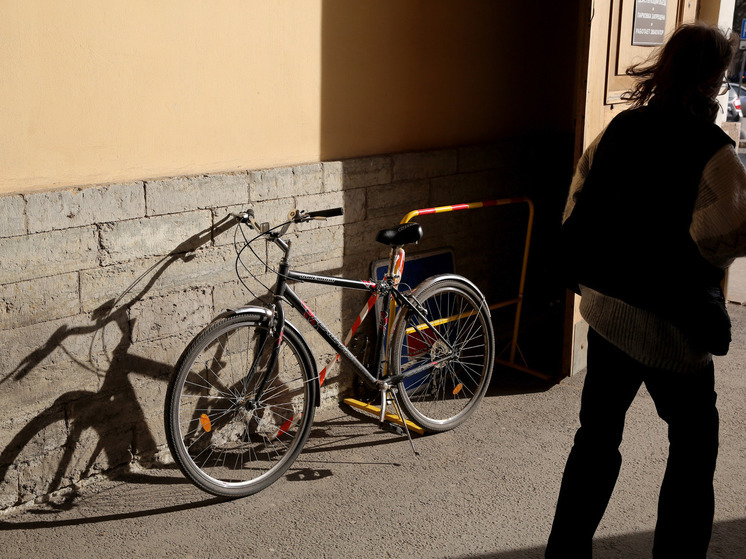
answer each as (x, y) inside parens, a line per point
(248, 244)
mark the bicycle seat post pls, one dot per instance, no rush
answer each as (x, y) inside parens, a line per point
(396, 262)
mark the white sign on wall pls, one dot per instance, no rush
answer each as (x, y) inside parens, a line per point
(650, 22)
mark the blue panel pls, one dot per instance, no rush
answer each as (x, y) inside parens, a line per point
(419, 267)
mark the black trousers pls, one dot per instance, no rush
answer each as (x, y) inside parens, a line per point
(686, 504)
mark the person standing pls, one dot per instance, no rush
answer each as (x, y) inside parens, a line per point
(656, 213)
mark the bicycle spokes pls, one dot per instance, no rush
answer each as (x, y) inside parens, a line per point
(446, 357)
(237, 424)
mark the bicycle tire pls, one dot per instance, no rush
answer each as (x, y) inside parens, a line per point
(450, 385)
(223, 441)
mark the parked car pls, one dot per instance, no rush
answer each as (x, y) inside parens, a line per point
(735, 102)
(734, 112)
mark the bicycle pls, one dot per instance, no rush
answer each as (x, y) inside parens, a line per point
(242, 398)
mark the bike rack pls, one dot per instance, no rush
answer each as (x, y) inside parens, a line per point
(518, 300)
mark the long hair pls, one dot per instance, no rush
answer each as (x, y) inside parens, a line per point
(687, 73)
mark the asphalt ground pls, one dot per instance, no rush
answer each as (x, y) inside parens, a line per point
(484, 490)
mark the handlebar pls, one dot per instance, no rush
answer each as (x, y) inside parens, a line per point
(323, 214)
(246, 216)
(295, 216)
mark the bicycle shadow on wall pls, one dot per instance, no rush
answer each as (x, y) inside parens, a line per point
(61, 433)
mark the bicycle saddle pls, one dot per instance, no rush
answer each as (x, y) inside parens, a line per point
(399, 236)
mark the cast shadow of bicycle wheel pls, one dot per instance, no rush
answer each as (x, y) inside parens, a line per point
(84, 429)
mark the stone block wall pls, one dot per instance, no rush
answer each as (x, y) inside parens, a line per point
(102, 287)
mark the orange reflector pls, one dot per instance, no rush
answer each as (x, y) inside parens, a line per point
(458, 388)
(205, 421)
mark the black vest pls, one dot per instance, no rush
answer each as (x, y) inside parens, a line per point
(628, 235)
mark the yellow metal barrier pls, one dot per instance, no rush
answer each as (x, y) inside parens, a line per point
(392, 417)
(518, 300)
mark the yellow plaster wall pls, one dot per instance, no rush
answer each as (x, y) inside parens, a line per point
(101, 91)
(96, 91)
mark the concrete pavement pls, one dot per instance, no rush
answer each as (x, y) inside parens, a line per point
(736, 291)
(484, 490)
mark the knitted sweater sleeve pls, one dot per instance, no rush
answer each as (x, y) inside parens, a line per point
(719, 219)
(581, 173)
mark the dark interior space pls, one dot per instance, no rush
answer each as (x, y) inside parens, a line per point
(445, 75)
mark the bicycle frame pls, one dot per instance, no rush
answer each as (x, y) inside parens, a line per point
(299, 305)
(240, 406)
(386, 288)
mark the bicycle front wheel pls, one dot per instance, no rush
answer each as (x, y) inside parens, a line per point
(449, 356)
(233, 426)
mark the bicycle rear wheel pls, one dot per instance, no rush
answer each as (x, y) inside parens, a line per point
(452, 356)
(227, 438)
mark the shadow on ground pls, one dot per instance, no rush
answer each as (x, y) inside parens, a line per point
(728, 542)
